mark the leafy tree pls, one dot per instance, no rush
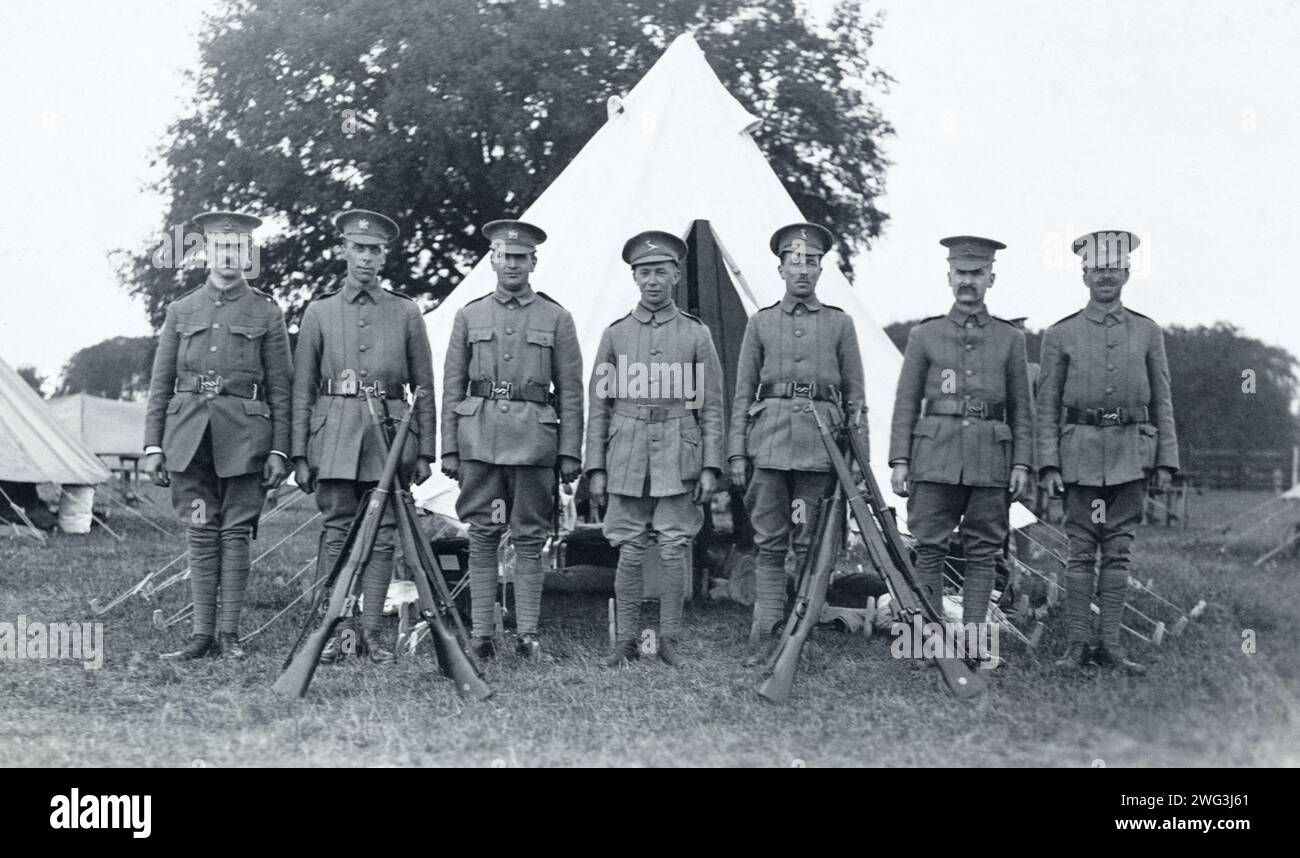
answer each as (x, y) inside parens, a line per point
(1231, 391)
(446, 115)
(33, 378)
(115, 369)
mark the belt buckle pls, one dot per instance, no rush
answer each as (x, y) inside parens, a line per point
(982, 411)
(503, 389)
(1108, 418)
(804, 389)
(210, 385)
(655, 413)
(371, 389)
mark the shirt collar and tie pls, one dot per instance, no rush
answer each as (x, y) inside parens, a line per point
(643, 314)
(1097, 313)
(522, 298)
(790, 303)
(961, 317)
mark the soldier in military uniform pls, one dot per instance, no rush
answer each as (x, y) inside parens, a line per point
(1105, 420)
(511, 406)
(797, 355)
(218, 424)
(962, 429)
(354, 340)
(654, 438)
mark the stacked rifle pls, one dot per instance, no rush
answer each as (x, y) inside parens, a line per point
(888, 554)
(336, 599)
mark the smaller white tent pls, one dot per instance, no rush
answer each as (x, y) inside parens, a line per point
(34, 447)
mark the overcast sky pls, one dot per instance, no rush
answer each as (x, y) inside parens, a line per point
(1029, 122)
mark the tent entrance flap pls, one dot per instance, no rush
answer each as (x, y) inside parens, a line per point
(706, 290)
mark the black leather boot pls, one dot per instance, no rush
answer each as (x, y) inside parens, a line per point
(624, 652)
(1109, 659)
(370, 647)
(228, 643)
(482, 647)
(670, 652)
(1076, 656)
(198, 647)
(528, 646)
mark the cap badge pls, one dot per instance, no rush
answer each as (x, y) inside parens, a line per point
(650, 245)
(363, 224)
(514, 233)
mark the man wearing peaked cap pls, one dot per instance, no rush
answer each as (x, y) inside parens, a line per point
(797, 356)
(1105, 422)
(1106, 248)
(356, 339)
(513, 236)
(654, 439)
(808, 238)
(217, 428)
(511, 414)
(654, 246)
(962, 430)
(365, 227)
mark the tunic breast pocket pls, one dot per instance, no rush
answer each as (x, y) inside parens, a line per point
(189, 357)
(540, 346)
(482, 358)
(246, 347)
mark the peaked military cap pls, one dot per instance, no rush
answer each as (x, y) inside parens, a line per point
(802, 238)
(1106, 248)
(970, 252)
(654, 246)
(513, 236)
(225, 222)
(365, 227)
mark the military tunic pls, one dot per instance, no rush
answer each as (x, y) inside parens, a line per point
(350, 339)
(369, 337)
(650, 434)
(796, 340)
(959, 464)
(510, 345)
(655, 423)
(218, 406)
(1111, 361)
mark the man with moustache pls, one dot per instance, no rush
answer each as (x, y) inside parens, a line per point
(654, 449)
(511, 407)
(356, 340)
(962, 430)
(797, 355)
(1105, 420)
(218, 425)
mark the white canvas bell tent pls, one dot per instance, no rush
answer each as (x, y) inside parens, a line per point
(676, 150)
(34, 448)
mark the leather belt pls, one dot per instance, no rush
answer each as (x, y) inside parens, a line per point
(219, 386)
(651, 413)
(489, 389)
(964, 408)
(798, 390)
(1108, 416)
(351, 387)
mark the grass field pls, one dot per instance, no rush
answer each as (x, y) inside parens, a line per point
(1205, 701)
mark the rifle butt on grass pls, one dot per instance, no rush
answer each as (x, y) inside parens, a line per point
(808, 606)
(300, 666)
(889, 555)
